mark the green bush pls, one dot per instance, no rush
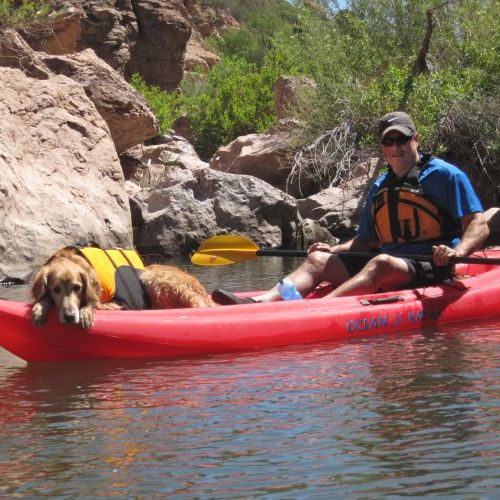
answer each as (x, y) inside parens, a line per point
(235, 100)
(232, 99)
(165, 105)
(362, 59)
(21, 14)
(253, 40)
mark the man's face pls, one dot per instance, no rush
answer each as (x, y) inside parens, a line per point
(400, 151)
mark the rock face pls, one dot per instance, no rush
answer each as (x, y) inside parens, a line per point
(339, 208)
(61, 174)
(111, 31)
(65, 30)
(157, 38)
(16, 53)
(163, 33)
(260, 155)
(188, 206)
(205, 21)
(287, 91)
(129, 119)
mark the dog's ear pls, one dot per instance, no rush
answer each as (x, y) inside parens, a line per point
(39, 285)
(91, 288)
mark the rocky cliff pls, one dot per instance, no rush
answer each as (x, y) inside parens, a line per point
(67, 114)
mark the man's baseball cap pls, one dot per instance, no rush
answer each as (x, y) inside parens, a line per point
(396, 120)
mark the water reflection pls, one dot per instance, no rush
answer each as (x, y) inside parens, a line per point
(411, 414)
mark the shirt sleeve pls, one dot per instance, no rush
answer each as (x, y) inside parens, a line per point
(452, 188)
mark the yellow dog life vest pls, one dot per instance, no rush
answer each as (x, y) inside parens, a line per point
(106, 263)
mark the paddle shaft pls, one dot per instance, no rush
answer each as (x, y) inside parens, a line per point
(271, 252)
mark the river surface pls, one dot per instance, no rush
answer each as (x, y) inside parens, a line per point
(414, 414)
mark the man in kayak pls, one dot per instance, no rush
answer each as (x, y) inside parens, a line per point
(422, 205)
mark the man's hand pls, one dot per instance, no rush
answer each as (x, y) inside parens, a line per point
(319, 247)
(441, 255)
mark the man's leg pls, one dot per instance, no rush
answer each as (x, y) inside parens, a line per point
(383, 272)
(317, 267)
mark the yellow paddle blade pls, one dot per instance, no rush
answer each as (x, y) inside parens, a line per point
(225, 249)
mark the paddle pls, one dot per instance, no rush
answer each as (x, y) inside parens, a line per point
(232, 249)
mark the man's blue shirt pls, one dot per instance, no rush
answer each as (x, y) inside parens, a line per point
(447, 185)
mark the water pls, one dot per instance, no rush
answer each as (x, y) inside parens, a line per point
(415, 414)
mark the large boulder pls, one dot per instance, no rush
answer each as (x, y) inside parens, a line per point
(16, 53)
(288, 92)
(129, 118)
(339, 208)
(197, 57)
(188, 206)
(158, 54)
(61, 176)
(262, 155)
(145, 164)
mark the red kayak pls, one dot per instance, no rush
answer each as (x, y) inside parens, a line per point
(475, 294)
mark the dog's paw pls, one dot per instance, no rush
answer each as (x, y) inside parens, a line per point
(39, 314)
(86, 317)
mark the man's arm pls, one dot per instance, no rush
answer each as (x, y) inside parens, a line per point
(475, 232)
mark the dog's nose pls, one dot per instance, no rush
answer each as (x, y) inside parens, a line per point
(69, 317)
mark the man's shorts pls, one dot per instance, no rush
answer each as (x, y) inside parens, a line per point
(424, 273)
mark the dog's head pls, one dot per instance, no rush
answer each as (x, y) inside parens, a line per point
(70, 284)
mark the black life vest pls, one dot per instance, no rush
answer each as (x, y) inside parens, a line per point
(403, 212)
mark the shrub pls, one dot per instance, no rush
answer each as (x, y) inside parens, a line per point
(232, 99)
(22, 14)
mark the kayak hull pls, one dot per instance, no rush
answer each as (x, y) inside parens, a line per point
(193, 332)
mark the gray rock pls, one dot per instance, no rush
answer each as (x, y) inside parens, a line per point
(129, 118)
(61, 177)
(339, 209)
(260, 155)
(189, 206)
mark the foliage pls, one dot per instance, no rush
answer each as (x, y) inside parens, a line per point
(22, 13)
(361, 54)
(253, 39)
(242, 9)
(234, 100)
(231, 100)
(362, 58)
(166, 105)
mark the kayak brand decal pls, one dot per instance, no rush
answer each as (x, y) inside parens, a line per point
(384, 321)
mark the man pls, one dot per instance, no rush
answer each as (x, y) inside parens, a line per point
(420, 206)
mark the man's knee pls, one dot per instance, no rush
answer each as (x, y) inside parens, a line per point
(388, 271)
(318, 259)
(382, 263)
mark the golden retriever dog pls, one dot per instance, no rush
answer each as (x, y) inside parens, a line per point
(69, 283)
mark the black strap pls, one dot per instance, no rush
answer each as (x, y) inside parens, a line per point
(129, 291)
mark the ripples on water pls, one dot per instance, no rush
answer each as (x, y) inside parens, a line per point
(403, 415)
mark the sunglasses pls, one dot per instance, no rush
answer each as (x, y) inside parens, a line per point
(400, 140)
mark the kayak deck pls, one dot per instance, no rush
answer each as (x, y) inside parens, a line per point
(189, 332)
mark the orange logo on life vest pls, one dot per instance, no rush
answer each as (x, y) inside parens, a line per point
(402, 212)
